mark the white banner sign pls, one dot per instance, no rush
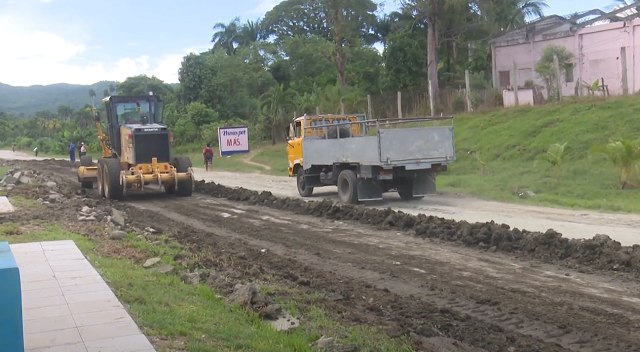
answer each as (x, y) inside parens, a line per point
(233, 140)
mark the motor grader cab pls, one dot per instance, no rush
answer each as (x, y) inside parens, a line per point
(136, 151)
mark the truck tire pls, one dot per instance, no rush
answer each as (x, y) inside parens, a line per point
(111, 179)
(302, 185)
(348, 187)
(405, 189)
(185, 188)
(332, 132)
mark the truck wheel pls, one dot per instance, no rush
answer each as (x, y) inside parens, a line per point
(100, 178)
(348, 187)
(85, 160)
(185, 188)
(302, 185)
(405, 190)
(111, 178)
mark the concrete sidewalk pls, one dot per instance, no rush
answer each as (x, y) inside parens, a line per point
(68, 307)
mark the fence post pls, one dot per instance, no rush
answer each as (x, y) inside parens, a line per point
(467, 92)
(317, 110)
(432, 100)
(369, 117)
(341, 108)
(623, 63)
(399, 105)
(515, 83)
(556, 67)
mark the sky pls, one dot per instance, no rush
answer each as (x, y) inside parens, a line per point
(83, 42)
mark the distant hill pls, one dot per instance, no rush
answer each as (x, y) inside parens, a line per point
(29, 100)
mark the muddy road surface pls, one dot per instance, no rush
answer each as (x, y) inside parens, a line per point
(446, 285)
(572, 223)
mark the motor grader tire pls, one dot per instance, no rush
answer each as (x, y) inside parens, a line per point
(86, 160)
(100, 181)
(348, 187)
(303, 189)
(111, 177)
(185, 187)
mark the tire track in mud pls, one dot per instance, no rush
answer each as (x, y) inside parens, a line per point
(404, 281)
(463, 306)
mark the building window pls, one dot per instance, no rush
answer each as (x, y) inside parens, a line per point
(504, 78)
(568, 74)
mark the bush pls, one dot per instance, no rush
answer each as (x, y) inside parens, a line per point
(458, 104)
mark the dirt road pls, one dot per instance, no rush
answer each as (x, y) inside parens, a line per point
(411, 274)
(571, 223)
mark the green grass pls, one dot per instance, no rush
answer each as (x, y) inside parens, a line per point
(274, 156)
(193, 316)
(508, 141)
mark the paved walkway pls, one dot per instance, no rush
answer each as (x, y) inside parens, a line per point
(67, 306)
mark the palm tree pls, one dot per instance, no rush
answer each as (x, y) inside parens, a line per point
(226, 36)
(274, 103)
(250, 32)
(92, 94)
(625, 157)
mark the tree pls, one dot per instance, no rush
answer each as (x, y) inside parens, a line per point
(65, 112)
(92, 94)
(105, 92)
(546, 70)
(274, 103)
(625, 157)
(554, 156)
(226, 36)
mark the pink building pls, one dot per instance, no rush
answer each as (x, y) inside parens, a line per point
(602, 50)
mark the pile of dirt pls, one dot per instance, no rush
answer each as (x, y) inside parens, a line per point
(601, 252)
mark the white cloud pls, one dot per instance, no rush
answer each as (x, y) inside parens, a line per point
(36, 57)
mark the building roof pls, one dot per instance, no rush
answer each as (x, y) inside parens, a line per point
(555, 25)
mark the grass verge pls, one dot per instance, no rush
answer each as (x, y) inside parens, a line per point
(185, 317)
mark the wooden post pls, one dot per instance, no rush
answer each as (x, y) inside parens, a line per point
(432, 100)
(399, 105)
(515, 84)
(341, 108)
(556, 67)
(317, 110)
(467, 93)
(623, 63)
(369, 117)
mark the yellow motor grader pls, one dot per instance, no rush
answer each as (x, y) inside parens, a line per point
(136, 152)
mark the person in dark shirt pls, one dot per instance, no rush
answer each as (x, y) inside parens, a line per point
(207, 153)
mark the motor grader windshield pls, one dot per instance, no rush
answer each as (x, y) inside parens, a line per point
(128, 113)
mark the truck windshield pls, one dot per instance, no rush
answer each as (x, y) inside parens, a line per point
(127, 112)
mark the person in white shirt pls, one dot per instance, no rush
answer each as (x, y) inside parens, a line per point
(35, 150)
(83, 150)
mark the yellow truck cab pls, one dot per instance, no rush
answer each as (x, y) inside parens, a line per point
(311, 125)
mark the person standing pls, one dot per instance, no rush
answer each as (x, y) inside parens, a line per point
(72, 153)
(207, 153)
(13, 148)
(79, 144)
(83, 149)
(35, 150)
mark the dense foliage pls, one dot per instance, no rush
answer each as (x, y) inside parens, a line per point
(302, 56)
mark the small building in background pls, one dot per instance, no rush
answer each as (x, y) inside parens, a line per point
(606, 48)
